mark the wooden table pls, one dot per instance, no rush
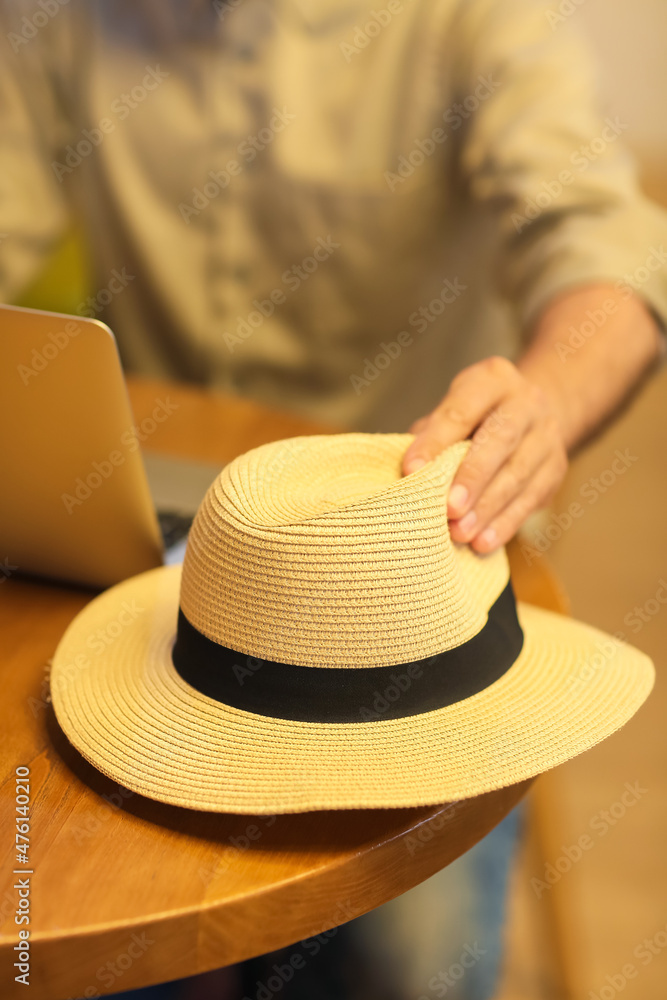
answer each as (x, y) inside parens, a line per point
(127, 892)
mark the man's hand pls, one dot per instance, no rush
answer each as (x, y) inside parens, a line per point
(517, 459)
(524, 420)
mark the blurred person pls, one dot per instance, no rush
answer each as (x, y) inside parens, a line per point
(407, 214)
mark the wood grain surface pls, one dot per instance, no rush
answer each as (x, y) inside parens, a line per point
(126, 892)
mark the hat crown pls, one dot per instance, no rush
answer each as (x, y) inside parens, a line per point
(317, 551)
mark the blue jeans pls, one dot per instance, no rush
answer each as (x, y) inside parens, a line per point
(441, 939)
(444, 937)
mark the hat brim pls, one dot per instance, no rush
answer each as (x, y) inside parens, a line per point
(121, 703)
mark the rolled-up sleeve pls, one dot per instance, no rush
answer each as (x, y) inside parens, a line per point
(551, 168)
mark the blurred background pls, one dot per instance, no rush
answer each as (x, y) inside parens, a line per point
(610, 908)
(578, 918)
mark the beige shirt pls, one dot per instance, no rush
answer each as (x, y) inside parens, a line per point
(330, 205)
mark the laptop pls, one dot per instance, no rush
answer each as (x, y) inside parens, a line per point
(82, 499)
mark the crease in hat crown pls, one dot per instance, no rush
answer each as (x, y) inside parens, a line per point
(317, 551)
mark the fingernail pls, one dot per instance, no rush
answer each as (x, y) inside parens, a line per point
(458, 497)
(488, 538)
(467, 523)
(415, 465)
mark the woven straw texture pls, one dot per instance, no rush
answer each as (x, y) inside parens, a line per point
(281, 567)
(316, 551)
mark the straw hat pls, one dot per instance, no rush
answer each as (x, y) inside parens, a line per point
(326, 646)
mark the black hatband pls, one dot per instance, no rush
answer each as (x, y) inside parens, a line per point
(351, 694)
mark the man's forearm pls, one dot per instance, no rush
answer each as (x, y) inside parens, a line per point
(590, 349)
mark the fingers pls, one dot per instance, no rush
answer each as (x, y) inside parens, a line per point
(517, 458)
(523, 481)
(474, 392)
(537, 494)
(501, 435)
(419, 425)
